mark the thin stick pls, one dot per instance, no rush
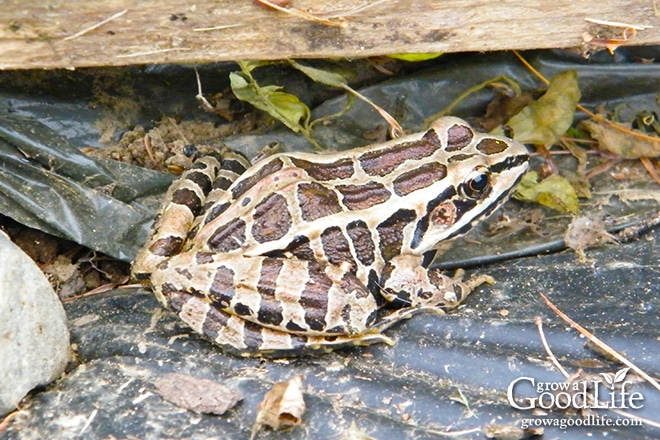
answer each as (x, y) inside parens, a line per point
(603, 346)
(217, 28)
(152, 52)
(639, 27)
(97, 25)
(301, 14)
(594, 116)
(539, 324)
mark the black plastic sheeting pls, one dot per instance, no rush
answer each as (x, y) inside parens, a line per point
(125, 341)
(49, 185)
(46, 183)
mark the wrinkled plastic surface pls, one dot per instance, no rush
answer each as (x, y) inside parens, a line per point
(126, 340)
(46, 183)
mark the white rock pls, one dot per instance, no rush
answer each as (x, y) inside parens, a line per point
(34, 339)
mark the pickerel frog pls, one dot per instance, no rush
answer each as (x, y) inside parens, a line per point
(301, 252)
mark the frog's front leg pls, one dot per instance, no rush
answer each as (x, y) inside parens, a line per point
(406, 282)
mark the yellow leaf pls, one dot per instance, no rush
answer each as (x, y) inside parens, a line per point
(546, 119)
(554, 191)
(414, 57)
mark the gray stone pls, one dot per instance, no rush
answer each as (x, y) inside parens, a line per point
(34, 339)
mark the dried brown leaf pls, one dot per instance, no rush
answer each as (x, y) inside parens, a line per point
(282, 406)
(196, 394)
(621, 143)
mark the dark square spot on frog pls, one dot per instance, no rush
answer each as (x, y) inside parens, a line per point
(460, 157)
(358, 197)
(201, 179)
(458, 137)
(292, 326)
(215, 211)
(222, 183)
(314, 298)
(228, 237)
(170, 289)
(242, 309)
(184, 272)
(252, 334)
(316, 201)
(339, 169)
(187, 197)
(351, 283)
(335, 246)
(419, 178)
(215, 321)
(270, 308)
(233, 165)
(244, 184)
(164, 247)
(390, 232)
(384, 161)
(300, 248)
(492, 146)
(363, 244)
(272, 219)
(204, 257)
(222, 287)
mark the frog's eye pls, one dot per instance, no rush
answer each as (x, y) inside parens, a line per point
(477, 183)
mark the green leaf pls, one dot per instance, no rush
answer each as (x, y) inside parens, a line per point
(414, 57)
(290, 109)
(249, 66)
(282, 106)
(554, 191)
(325, 77)
(546, 119)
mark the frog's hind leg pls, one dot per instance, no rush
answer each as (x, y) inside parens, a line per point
(189, 197)
(245, 338)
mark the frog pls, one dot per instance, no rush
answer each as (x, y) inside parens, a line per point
(305, 253)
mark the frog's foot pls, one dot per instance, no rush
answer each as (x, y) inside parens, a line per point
(403, 314)
(406, 282)
(245, 338)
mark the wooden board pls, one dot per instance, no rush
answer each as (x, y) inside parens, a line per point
(44, 34)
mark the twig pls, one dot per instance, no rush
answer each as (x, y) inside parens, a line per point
(600, 344)
(97, 25)
(301, 14)
(594, 116)
(8, 418)
(151, 52)
(206, 105)
(639, 27)
(353, 11)
(217, 28)
(650, 168)
(539, 324)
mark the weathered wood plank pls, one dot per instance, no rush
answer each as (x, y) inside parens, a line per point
(33, 32)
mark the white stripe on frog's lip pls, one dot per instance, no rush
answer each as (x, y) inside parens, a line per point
(301, 251)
